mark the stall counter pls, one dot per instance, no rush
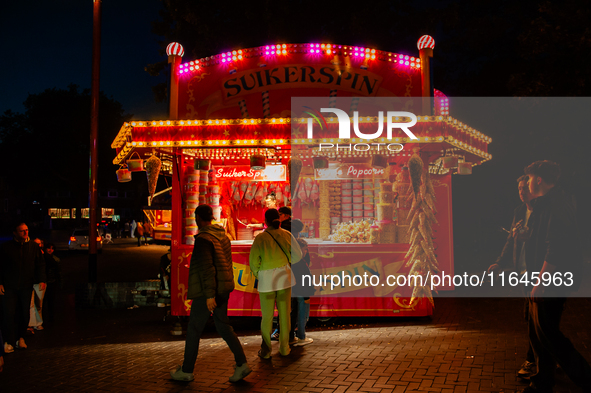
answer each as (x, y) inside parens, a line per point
(327, 258)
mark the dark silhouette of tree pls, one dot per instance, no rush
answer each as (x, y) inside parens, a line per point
(483, 48)
(46, 148)
(555, 50)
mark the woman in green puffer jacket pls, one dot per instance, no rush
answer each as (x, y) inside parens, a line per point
(271, 255)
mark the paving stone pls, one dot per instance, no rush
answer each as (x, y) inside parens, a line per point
(469, 345)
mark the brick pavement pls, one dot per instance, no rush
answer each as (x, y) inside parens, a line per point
(469, 345)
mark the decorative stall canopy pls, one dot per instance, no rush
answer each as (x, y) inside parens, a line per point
(441, 134)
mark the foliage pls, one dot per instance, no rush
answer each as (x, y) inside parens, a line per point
(483, 48)
(47, 147)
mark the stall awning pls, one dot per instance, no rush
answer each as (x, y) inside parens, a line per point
(443, 132)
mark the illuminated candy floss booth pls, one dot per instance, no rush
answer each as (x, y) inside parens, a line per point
(233, 142)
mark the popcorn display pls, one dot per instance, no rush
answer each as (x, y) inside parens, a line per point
(386, 186)
(374, 234)
(346, 188)
(368, 199)
(352, 232)
(324, 212)
(388, 232)
(386, 197)
(385, 211)
(335, 206)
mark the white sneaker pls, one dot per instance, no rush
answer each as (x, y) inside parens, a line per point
(240, 372)
(8, 348)
(179, 375)
(293, 341)
(527, 370)
(305, 341)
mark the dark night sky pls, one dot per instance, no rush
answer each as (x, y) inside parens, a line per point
(48, 44)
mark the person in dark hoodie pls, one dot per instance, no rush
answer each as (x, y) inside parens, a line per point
(21, 266)
(552, 249)
(211, 279)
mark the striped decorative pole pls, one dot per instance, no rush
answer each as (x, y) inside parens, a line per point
(266, 108)
(243, 109)
(332, 102)
(426, 44)
(175, 52)
(354, 103)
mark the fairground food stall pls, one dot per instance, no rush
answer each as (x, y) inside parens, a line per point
(233, 142)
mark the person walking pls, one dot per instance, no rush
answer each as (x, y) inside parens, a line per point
(211, 280)
(271, 255)
(148, 231)
(552, 249)
(21, 266)
(37, 298)
(53, 276)
(285, 220)
(140, 233)
(133, 225)
(513, 257)
(126, 229)
(302, 293)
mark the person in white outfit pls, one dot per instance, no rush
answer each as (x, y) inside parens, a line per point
(133, 226)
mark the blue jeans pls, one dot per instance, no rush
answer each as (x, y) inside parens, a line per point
(303, 315)
(197, 321)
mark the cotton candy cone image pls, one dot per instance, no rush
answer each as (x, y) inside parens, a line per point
(294, 168)
(152, 165)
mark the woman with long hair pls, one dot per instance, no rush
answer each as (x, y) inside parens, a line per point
(272, 253)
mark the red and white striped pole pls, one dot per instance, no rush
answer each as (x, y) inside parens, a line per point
(426, 44)
(175, 52)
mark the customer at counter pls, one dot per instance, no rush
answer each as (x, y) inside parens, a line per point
(271, 255)
(285, 218)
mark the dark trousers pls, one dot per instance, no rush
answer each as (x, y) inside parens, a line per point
(530, 357)
(551, 346)
(49, 301)
(294, 317)
(16, 303)
(197, 321)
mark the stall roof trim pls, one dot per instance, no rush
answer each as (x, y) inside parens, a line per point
(226, 133)
(277, 50)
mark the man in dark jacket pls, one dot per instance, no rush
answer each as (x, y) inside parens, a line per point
(211, 279)
(21, 266)
(513, 257)
(285, 217)
(552, 250)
